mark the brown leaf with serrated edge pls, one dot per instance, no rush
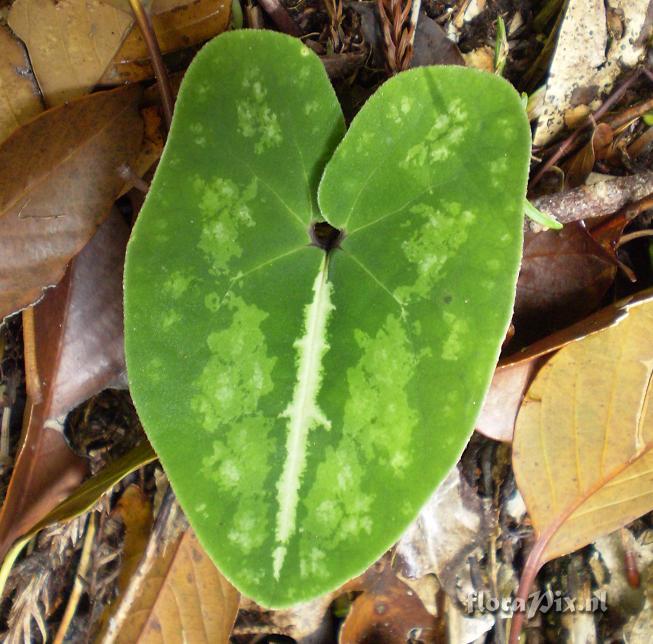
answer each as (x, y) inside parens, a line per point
(582, 449)
(563, 278)
(182, 595)
(58, 179)
(20, 98)
(178, 25)
(70, 42)
(77, 350)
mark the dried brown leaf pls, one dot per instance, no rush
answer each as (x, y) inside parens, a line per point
(20, 98)
(77, 351)
(58, 178)
(564, 276)
(582, 450)
(182, 597)
(70, 42)
(582, 163)
(177, 25)
(515, 372)
(387, 610)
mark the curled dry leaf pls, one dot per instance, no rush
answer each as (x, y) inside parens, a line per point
(182, 597)
(582, 450)
(54, 193)
(77, 350)
(70, 42)
(20, 99)
(581, 165)
(177, 24)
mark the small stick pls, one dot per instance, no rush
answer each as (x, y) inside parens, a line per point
(637, 234)
(162, 78)
(598, 199)
(128, 175)
(32, 379)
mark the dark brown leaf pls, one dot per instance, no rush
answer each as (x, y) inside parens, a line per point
(58, 179)
(564, 276)
(77, 349)
(387, 611)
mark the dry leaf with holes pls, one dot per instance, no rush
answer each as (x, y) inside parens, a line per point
(70, 42)
(20, 98)
(582, 448)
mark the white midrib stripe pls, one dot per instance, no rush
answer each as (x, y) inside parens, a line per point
(303, 412)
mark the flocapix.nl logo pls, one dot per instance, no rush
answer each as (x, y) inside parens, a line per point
(538, 602)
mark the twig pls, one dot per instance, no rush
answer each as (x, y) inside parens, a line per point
(567, 144)
(634, 235)
(598, 199)
(76, 593)
(162, 78)
(32, 380)
(128, 175)
(280, 17)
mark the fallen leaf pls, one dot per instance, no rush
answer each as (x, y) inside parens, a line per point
(563, 277)
(432, 545)
(515, 372)
(77, 350)
(152, 147)
(20, 98)
(178, 24)
(308, 622)
(582, 450)
(181, 595)
(582, 163)
(432, 47)
(503, 399)
(58, 178)
(387, 610)
(70, 42)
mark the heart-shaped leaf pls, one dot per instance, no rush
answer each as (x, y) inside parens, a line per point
(306, 403)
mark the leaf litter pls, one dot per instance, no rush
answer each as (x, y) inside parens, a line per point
(484, 468)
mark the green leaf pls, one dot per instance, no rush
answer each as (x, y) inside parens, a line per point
(305, 404)
(541, 218)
